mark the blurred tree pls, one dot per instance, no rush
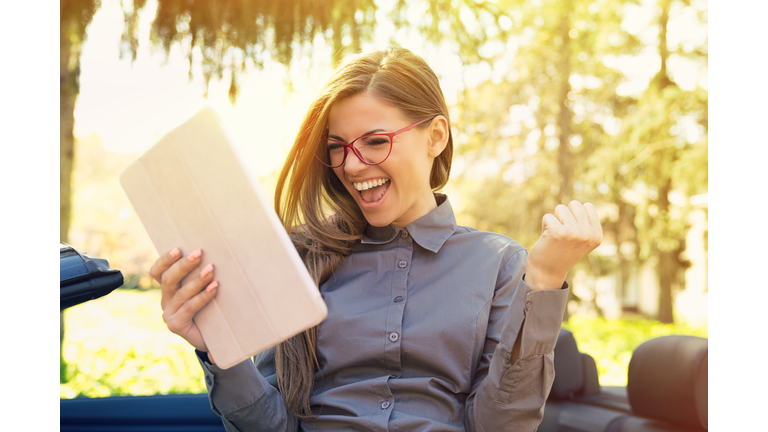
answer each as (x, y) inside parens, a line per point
(75, 16)
(524, 138)
(553, 127)
(661, 152)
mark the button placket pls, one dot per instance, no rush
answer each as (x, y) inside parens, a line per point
(394, 325)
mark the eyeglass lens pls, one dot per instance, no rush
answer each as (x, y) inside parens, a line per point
(373, 148)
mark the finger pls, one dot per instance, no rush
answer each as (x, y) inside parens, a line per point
(190, 288)
(594, 218)
(170, 280)
(550, 223)
(163, 262)
(178, 270)
(564, 215)
(594, 222)
(577, 209)
(179, 321)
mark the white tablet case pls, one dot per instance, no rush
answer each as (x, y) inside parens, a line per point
(191, 190)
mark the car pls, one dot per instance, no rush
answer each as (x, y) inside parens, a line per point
(84, 277)
(667, 389)
(667, 386)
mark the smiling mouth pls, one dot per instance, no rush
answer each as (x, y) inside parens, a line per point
(372, 191)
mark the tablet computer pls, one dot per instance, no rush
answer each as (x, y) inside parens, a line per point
(192, 190)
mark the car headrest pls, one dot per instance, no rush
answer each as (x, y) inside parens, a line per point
(667, 380)
(569, 372)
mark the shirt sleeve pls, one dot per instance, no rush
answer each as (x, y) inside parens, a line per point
(509, 396)
(246, 397)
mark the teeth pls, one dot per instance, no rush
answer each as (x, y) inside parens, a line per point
(361, 186)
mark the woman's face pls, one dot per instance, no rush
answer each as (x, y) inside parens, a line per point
(403, 194)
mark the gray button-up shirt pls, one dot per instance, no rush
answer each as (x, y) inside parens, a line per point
(421, 323)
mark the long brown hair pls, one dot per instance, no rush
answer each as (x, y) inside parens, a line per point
(316, 209)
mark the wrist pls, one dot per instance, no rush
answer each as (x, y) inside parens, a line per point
(537, 281)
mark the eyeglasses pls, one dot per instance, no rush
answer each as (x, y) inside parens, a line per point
(371, 149)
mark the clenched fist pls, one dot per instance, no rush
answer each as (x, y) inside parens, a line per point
(566, 237)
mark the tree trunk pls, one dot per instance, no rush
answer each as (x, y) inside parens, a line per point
(667, 276)
(663, 80)
(67, 148)
(74, 20)
(564, 115)
(68, 89)
(669, 264)
(69, 74)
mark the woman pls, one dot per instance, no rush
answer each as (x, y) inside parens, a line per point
(431, 326)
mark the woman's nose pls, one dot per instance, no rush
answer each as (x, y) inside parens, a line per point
(353, 164)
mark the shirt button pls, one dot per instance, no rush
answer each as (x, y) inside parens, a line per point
(402, 264)
(394, 337)
(398, 299)
(208, 381)
(385, 405)
(404, 234)
(528, 306)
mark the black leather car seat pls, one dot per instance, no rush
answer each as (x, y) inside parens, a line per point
(666, 389)
(667, 381)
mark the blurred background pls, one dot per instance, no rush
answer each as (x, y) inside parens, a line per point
(550, 100)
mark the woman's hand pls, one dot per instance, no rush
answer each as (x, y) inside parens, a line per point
(181, 303)
(566, 237)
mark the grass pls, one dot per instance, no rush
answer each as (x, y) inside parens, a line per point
(119, 345)
(611, 342)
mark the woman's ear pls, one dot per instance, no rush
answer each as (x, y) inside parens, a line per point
(438, 136)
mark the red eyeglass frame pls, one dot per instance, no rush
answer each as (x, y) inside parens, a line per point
(349, 146)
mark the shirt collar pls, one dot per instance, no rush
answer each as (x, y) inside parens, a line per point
(429, 231)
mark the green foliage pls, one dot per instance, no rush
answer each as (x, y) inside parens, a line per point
(118, 345)
(521, 130)
(552, 124)
(75, 16)
(469, 27)
(611, 342)
(236, 34)
(229, 34)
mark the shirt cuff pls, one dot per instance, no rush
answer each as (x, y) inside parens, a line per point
(234, 388)
(544, 310)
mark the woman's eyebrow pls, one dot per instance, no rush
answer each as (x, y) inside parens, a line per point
(338, 138)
